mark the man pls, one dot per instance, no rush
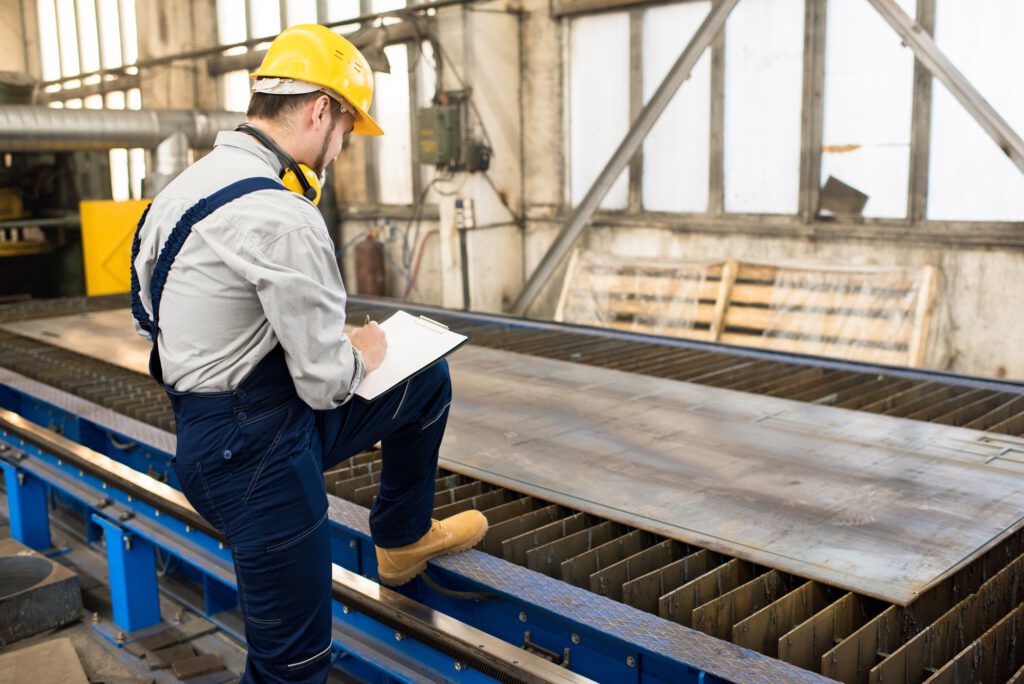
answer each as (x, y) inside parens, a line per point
(236, 283)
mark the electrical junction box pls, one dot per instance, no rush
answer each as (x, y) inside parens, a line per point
(440, 134)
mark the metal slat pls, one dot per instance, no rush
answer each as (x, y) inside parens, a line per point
(608, 581)
(490, 499)
(805, 644)
(928, 413)
(992, 658)
(345, 488)
(762, 630)
(511, 510)
(645, 591)
(719, 616)
(941, 640)
(678, 605)
(912, 405)
(979, 407)
(514, 549)
(856, 397)
(998, 414)
(496, 534)
(548, 558)
(579, 569)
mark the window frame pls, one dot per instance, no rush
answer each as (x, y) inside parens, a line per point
(914, 226)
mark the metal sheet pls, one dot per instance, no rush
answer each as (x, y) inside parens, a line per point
(105, 335)
(872, 504)
(869, 503)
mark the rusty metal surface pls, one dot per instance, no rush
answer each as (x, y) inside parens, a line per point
(874, 505)
(105, 335)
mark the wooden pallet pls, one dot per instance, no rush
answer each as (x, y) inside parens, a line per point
(874, 314)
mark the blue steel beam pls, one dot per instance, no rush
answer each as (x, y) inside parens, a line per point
(131, 567)
(26, 503)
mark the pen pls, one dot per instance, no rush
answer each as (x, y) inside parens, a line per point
(367, 321)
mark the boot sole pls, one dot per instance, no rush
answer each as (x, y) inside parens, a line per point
(413, 572)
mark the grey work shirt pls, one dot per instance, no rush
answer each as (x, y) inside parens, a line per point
(257, 272)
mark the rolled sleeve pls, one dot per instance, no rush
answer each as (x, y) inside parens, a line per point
(302, 295)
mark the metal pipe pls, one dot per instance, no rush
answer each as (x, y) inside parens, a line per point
(649, 115)
(42, 129)
(933, 59)
(170, 158)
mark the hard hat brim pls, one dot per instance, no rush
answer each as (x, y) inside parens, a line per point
(365, 125)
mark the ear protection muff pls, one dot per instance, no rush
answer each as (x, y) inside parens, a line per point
(295, 176)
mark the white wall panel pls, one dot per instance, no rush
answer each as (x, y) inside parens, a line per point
(763, 81)
(676, 151)
(969, 177)
(869, 81)
(598, 101)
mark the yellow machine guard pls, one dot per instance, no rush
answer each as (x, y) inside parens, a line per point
(108, 227)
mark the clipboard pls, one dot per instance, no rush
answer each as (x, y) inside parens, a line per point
(414, 344)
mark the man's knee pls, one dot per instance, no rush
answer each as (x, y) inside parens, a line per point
(437, 377)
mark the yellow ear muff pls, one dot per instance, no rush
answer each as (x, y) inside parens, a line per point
(292, 182)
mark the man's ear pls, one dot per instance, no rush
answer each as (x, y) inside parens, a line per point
(322, 111)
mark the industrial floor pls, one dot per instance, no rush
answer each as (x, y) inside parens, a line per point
(871, 504)
(792, 528)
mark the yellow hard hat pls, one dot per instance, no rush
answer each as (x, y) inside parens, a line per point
(316, 54)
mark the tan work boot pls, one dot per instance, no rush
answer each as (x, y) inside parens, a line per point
(456, 533)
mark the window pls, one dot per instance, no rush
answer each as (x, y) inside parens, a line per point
(598, 102)
(764, 42)
(969, 177)
(391, 155)
(677, 150)
(869, 84)
(757, 70)
(76, 39)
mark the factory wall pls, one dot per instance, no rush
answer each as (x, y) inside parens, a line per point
(518, 62)
(974, 325)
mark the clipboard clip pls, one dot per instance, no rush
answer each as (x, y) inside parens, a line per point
(433, 322)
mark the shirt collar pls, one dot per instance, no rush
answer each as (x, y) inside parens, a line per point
(249, 144)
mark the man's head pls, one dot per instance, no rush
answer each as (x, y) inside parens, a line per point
(312, 89)
(310, 126)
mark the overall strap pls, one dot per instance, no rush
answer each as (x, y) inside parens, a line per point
(139, 311)
(175, 241)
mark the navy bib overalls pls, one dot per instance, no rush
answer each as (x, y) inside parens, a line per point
(251, 461)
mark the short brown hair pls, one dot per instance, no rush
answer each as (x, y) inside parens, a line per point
(271, 107)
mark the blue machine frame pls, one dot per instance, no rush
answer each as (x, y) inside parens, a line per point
(600, 638)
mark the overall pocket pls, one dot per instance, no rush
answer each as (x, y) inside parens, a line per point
(286, 495)
(196, 489)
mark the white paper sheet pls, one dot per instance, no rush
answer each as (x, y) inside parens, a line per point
(414, 343)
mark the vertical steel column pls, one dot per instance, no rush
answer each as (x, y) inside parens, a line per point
(649, 115)
(131, 564)
(928, 53)
(26, 508)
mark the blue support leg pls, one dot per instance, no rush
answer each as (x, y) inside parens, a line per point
(27, 510)
(131, 563)
(218, 596)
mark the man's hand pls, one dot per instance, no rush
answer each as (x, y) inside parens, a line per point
(371, 341)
